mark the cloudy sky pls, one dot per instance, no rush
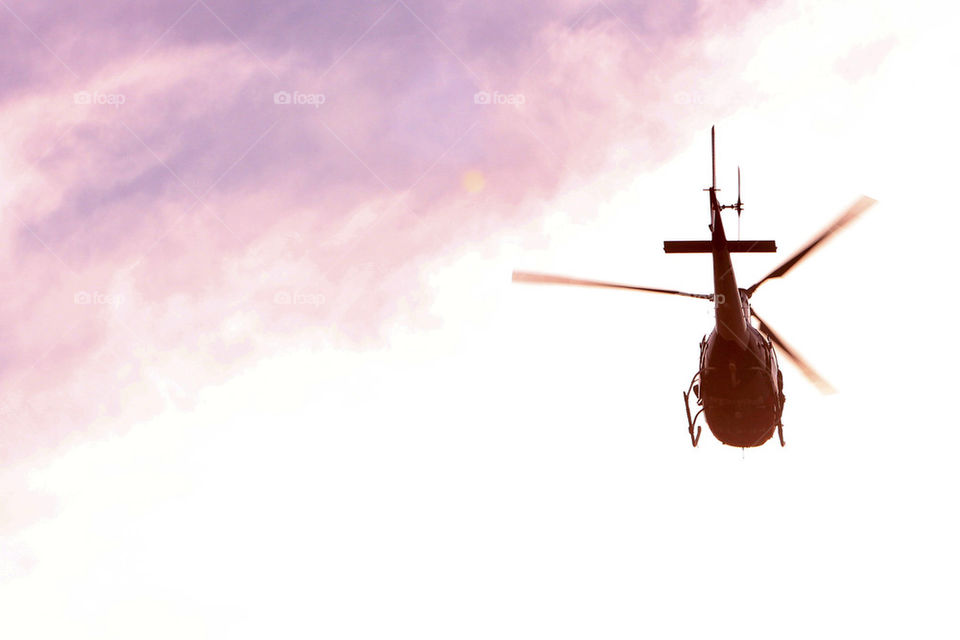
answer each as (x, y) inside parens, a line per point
(265, 375)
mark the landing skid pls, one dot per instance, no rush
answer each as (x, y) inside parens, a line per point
(691, 422)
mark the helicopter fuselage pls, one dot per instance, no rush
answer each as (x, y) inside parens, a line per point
(741, 387)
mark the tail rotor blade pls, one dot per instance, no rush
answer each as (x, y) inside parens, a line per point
(794, 357)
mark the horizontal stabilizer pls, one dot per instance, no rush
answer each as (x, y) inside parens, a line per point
(706, 246)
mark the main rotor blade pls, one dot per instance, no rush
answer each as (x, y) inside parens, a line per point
(808, 371)
(543, 278)
(849, 216)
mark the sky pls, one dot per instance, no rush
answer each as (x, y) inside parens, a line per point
(265, 374)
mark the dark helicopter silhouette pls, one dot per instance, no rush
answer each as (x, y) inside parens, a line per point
(738, 385)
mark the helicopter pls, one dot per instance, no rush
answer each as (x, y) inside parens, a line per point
(738, 385)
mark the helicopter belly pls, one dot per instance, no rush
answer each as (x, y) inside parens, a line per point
(742, 422)
(740, 398)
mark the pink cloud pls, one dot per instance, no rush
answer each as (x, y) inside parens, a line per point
(183, 222)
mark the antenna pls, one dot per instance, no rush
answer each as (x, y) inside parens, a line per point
(739, 205)
(720, 207)
(713, 153)
(713, 189)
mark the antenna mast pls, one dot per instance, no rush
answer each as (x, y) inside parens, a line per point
(739, 204)
(713, 154)
(738, 207)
